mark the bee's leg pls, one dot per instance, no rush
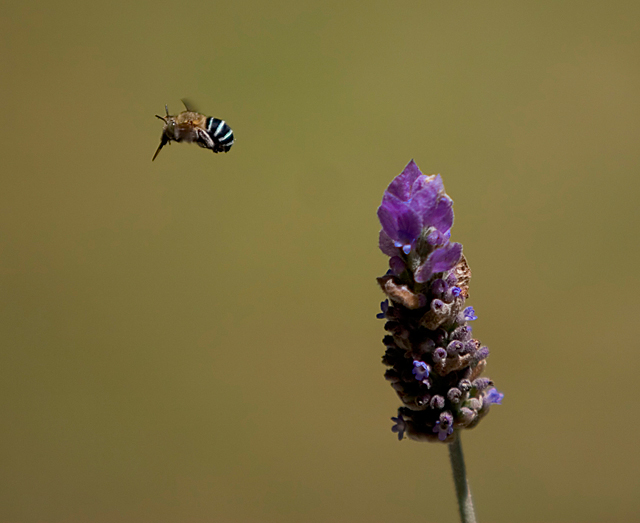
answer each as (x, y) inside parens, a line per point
(203, 139)
(163, 141)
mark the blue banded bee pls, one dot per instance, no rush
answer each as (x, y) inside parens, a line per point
(190, 126)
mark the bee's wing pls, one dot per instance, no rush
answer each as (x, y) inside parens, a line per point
(163, 141)
(189, 105)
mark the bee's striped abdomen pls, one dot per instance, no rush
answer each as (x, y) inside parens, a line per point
(220, 133)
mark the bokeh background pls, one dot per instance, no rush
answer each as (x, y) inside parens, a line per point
(194, 339)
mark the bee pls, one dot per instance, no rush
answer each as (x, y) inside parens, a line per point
(192, 127)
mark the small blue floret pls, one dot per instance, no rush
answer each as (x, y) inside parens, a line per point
(469, 314)
(493, 396)
(384, 307)
(443, 430)
(420, 370)
(400, 426)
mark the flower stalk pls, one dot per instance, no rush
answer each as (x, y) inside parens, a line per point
(463, 494)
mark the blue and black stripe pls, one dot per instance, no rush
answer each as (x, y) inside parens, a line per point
(220, 133)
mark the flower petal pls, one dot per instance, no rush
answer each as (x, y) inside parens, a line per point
(440, 216)
(425, 193)
(440, 260)
(386, 244)
(402, 184)
(399, 221)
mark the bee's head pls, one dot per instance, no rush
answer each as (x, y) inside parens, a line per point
(169, 121)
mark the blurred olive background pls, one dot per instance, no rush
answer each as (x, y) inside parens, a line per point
(195, 340)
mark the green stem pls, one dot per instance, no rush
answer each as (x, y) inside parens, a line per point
(465, 504)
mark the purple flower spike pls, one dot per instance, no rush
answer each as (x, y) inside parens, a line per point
(431, 354)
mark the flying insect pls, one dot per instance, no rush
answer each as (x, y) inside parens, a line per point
(192, 127)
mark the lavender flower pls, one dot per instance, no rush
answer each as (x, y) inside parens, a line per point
(399, 426)
(420, 370)
(444, 426)
(384, 306)
(493, 396)
(434, 363)
(469, 314)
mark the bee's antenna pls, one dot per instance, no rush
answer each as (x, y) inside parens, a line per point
(161, 118)
(166, 108)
